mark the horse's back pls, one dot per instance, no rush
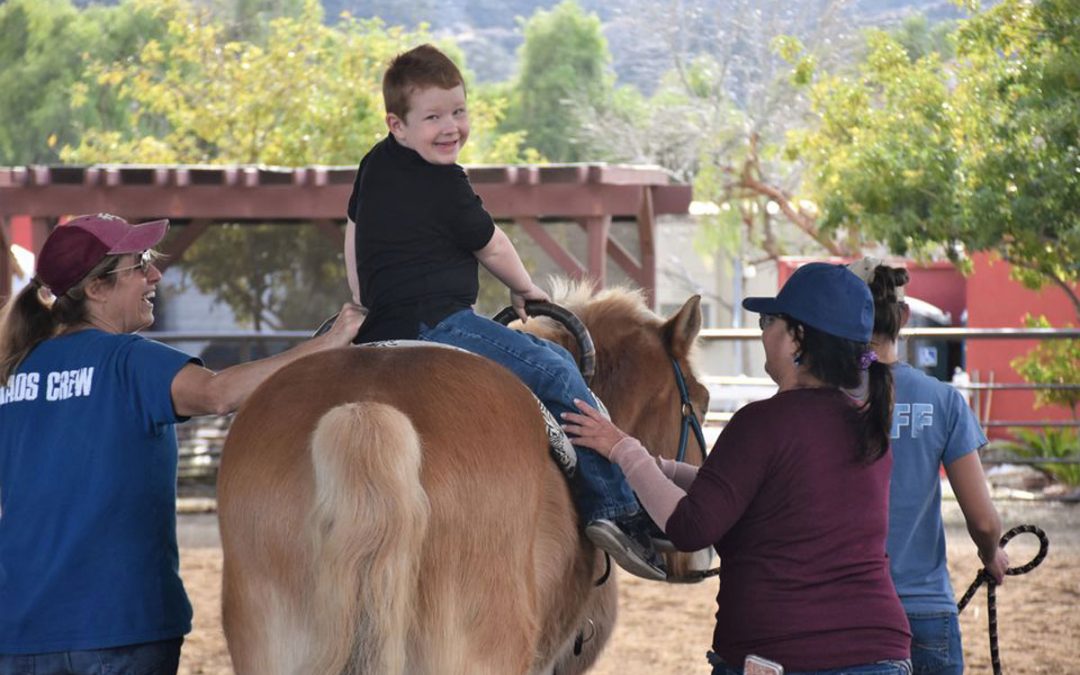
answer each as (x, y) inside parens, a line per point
(499, 511)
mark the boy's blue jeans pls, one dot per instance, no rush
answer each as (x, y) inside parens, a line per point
(599, 488)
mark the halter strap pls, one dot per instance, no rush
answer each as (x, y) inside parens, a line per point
(689, 419)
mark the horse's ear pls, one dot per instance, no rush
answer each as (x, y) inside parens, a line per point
(680, 331)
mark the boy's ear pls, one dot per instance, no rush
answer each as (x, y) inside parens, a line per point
(396, 125)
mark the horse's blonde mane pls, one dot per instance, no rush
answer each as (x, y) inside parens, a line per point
(582, 298)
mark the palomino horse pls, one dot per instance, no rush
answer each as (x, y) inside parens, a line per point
(396, 511)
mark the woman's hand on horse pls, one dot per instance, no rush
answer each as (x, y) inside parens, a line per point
(518, 298)
(346, 325)
(591, 429)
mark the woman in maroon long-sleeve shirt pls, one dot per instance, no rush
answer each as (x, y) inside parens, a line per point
(794, 495)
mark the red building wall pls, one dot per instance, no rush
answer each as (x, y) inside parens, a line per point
(994, 300)
(21, 233)
(940, 284)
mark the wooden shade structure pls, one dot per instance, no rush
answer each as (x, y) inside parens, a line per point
(593, 195)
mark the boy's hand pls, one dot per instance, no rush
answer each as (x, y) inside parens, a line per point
(518, 298)
(347, 324)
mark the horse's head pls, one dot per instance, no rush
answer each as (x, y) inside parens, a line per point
(636, 357)
(644, 375)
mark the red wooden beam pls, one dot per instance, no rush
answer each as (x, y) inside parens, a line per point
(563, 258)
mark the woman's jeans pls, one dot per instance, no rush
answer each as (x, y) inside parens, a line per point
(889, 667)
(936, 648)
(149, 658)
(599, 488)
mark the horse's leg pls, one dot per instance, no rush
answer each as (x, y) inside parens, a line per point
(595, 630)
(263, 609)
(478, 611)
(568, 568)
(256, 617)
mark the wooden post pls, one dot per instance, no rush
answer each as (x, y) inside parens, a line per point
(646, 221)
(597, 229)
(183, 241)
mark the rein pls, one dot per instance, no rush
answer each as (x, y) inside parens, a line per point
(991, 599)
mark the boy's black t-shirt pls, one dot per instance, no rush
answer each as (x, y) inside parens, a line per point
(417, 226)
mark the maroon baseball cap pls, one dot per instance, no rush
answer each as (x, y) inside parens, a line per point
(77, 246)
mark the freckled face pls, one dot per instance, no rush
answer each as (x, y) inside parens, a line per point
(436, 126)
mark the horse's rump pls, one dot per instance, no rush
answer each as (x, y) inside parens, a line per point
(317, 468)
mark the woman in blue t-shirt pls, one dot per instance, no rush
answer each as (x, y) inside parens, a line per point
(932, 426)
(89, 564)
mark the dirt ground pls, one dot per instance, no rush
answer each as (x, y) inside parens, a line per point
(666, 629)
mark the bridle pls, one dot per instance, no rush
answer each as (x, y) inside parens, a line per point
(689, 418)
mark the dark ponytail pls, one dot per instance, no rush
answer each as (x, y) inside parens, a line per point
(875, 414)
(888, 300)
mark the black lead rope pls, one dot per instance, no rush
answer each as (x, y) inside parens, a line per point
(991, 600)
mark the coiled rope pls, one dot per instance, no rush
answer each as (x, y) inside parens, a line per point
(991, 600)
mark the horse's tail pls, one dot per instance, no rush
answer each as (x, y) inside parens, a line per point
(368, 523)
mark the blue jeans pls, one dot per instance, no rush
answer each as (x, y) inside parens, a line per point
(889, 667)
(936, 648)
(150, 658)
(599, 488)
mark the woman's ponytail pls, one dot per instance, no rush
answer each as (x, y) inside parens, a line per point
(25, 320)
(875, 416)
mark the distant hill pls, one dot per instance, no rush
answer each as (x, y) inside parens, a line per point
(489, 31)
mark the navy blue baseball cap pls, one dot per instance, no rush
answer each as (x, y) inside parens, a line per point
(830, 298)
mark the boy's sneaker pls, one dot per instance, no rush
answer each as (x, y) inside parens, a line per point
(643, 521)
(629, 545)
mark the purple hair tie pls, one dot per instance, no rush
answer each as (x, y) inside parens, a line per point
(868, 357)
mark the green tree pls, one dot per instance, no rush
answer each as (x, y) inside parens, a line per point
(44, 48)
(564, 73)
(721, 111)
(1052, 362)
(981, 152)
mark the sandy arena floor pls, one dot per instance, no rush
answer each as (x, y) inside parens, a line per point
(666, 629)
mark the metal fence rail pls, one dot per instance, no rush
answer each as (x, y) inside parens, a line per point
(201, 439)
